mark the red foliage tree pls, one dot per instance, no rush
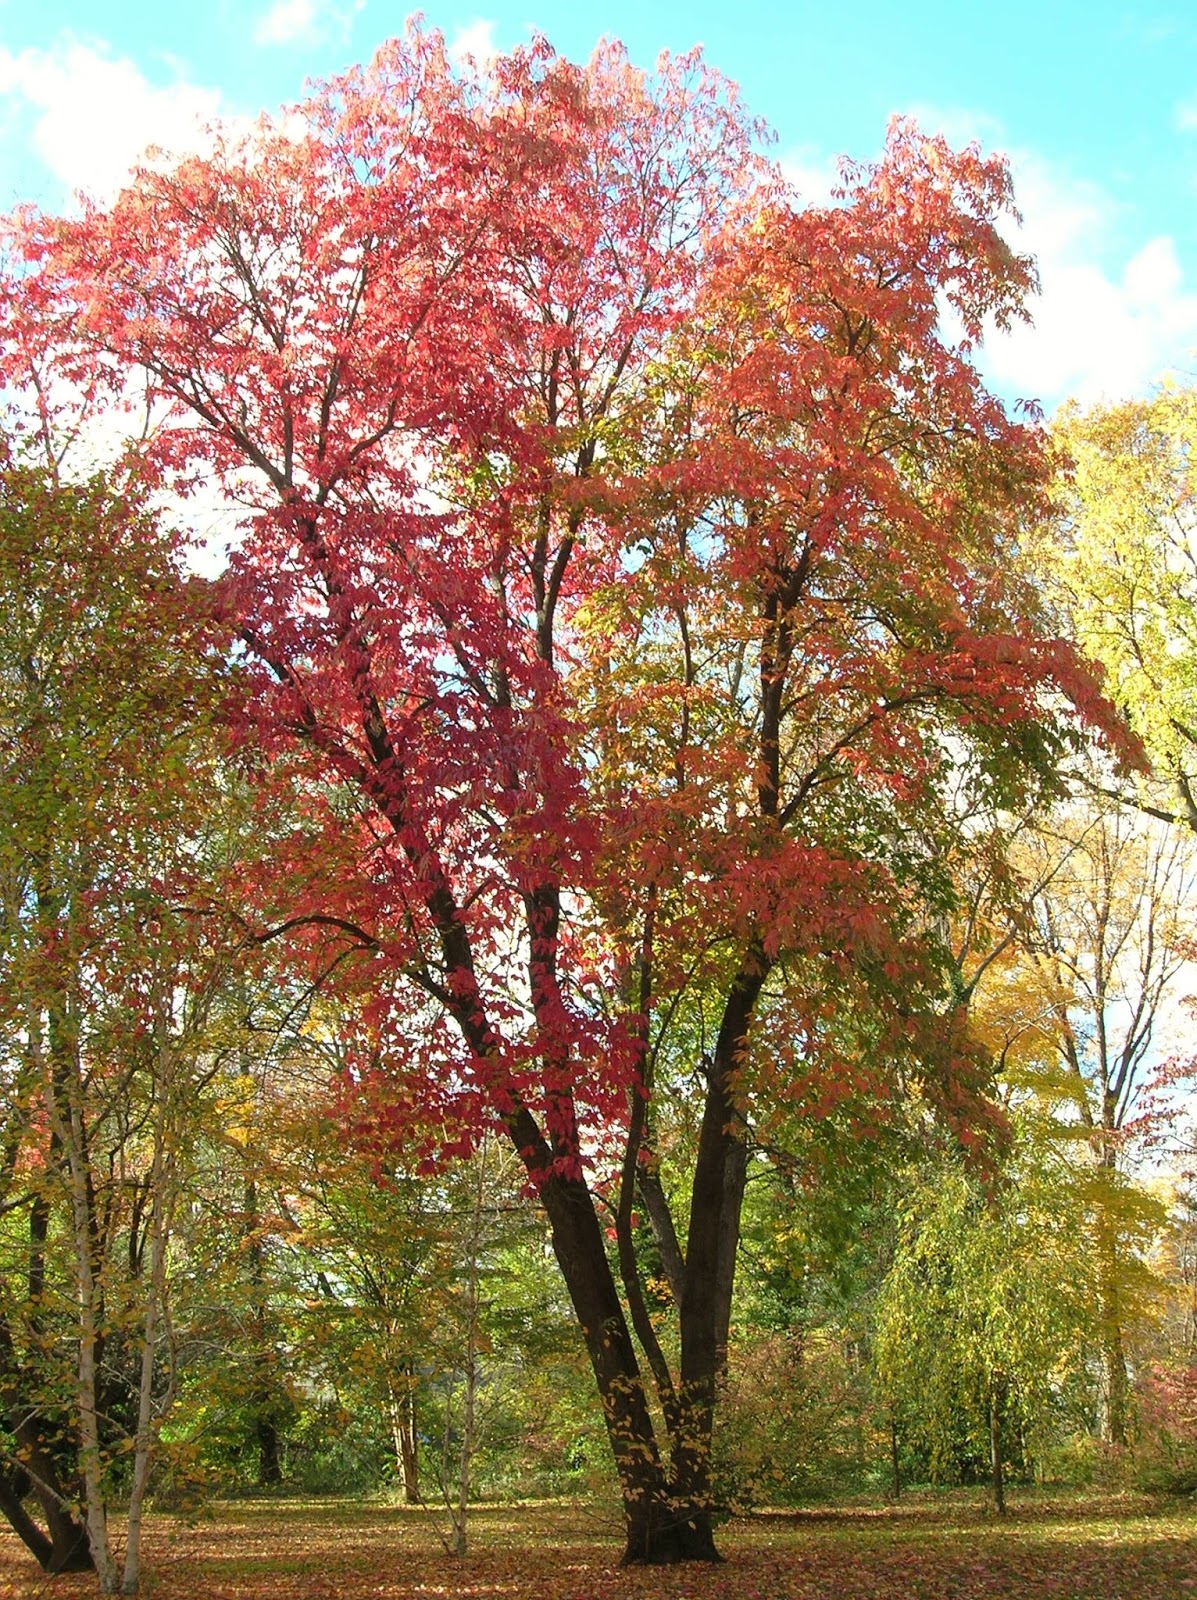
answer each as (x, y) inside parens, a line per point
(632, 559)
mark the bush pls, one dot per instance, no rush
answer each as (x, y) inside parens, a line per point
(793, 1422)
(1164, 1459)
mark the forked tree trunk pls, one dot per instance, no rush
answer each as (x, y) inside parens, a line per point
(87, 1371)
(59, 1070)
(668, 1512)
(660, 1527)
(649, 1517)
(54, 1053)
(713, 1237)
(62, 1546)
(663, 1522)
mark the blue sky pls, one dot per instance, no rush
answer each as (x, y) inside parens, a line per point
(1096, 104)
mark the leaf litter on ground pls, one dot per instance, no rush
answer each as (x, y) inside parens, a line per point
(926, 1547)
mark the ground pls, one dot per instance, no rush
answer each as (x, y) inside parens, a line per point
(947, 1547)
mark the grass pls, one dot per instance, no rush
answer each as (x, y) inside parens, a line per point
(944, 1547)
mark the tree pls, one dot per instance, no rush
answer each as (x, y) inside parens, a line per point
(1075, 942)
(983, 1311)
(107, 967)
(1111, 936)
(632, 554)
(1128, 572)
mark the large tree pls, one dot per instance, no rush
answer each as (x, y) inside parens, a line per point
(631, 556)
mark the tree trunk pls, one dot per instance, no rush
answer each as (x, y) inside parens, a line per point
(63, 1098)
(23, 1525)
(1114, 1418)
(265, 1425)
(997, 1395)
(401, 1397)
(63, 1545)
(465, 1459)
(469, 1420)
(717, 1198)
(650, 1519)
(656, 1529)
(1115, 1389)
(160, 1199)
(87, 1371)
(668, 1517)
(270, 1468)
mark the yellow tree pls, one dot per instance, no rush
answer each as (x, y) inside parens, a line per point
(1127, 570)
(1074, 994)
(978, 1321)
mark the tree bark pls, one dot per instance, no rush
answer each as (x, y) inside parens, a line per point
(469, 1417)
(265, 1426)
(1115, 1381)
(401, 1396)
(270, 1468)
(717, 1197)
(160, 1199)
(23, 1525)
(87, 1370)
(63, 1545)
(582, 1257)
(997, 1395)
(1115, 1388)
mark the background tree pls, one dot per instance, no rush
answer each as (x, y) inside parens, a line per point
(107, 968)
(1111, 938)
(1128, 572)
(984, 1313)
(1071, 945)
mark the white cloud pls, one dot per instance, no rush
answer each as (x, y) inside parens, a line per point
(476, 43)
(1113, 315)
(95, 116)
(287, 22)
(304, 21)
(812, 173)
(1098, 331)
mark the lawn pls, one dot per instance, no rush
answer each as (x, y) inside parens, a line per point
(925, 1548)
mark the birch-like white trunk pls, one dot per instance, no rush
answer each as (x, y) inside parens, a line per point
(458, 1506)
(161, 1200)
